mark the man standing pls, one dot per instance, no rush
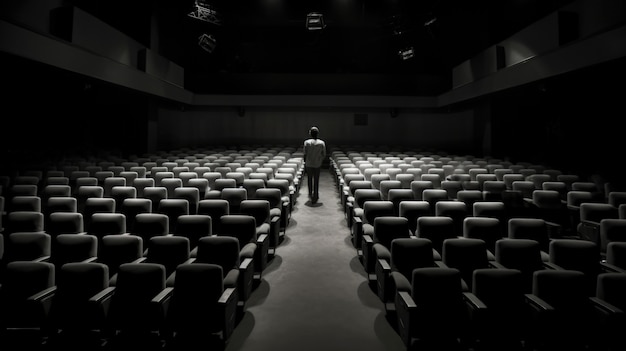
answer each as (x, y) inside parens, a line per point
(314, 155)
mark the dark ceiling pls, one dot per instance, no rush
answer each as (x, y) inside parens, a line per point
(263, 46)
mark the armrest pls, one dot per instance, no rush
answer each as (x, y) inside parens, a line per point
(357, 231)
(436, 255)
(607, 267)
(553, 266)
(496, 264)
(228, 305)
(42, 259)
(439, 263)
(367, 253)
(43, 299)
(246, 278)
(227, 295)
(589, 230)
(589, 223)
(401, 282)
(274, 221)
(263, 240)
(555, 230)
(473, 301)
(100, 302)
(163, 295)
(406, 300)
(262, 252)
(285, 213)
(384, 265)
(604, 306)
(405, 308)
(344, 195)
(247, 251)
(274, 232)
(382, 252)
(383, 279)
(140, 260)
(538, 304)
(103, 295)
(349, 213)
(162, 299)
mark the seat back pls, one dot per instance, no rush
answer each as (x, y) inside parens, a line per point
(220, 250)
(147, 225)
(215, 208)
(173, 208)
(107, 224)
(412, 210)
(113, 250)
(22, 280)
(73, 248)
(194, 227)
(487, 229)
(456, 210)
(169, 251)
(529, 228)
(506, 320)
(234, 196)
(65, 223)
(435, 228)
(388, 228)
(27, 246)
(191, 194)
(440, 312)
(466, 255)
(197, 291)
(579, 255)
(24, 221)
(131, 309)
(410, 253)
(71, 310)
(240, 226)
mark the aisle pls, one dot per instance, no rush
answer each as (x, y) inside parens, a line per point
(314, 295)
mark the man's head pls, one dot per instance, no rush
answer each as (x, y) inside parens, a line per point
(314, 132)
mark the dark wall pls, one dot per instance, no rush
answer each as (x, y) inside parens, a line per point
(49, 115)
(571, 122)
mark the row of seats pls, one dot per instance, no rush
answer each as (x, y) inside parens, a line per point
(563, 211)
(102, 238)
(481, 271)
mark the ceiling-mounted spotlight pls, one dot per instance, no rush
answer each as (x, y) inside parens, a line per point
(207, 42)
(315, 21)
(406, 53)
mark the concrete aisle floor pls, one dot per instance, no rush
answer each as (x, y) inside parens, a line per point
(314, 294)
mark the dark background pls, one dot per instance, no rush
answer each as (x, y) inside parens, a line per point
(362, 37)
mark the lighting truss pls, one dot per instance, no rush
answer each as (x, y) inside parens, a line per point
(205, 13)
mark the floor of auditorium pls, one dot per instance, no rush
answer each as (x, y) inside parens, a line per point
(314, 295)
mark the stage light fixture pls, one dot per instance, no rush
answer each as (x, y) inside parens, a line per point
(207, 42)
(406, 53)
(315, 21)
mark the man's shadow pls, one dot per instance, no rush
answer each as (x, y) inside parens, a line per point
(310, 203)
